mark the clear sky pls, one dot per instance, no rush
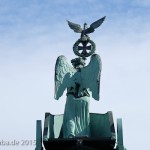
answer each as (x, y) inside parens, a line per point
(33, 33)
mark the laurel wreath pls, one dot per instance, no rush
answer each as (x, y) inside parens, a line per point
(76, 51)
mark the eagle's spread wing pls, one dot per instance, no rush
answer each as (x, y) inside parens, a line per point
(76, 27)
(94, 25)
(63, 74)
(90, 76)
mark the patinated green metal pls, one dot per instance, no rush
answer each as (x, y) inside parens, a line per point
(120, 145)
(101, 129)
(82, 51)
(77, 128)
(79, 81)
(39, 135)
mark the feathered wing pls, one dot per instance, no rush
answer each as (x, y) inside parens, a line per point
(76, 27)
(90, 76)
(63, 74)
(94, 25)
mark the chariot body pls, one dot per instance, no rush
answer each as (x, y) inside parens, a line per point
(102, 134)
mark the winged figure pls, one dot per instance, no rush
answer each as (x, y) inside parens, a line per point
(80, 81)
(77, 28)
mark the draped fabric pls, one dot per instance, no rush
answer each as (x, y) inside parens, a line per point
(79, 80)
(76, 117)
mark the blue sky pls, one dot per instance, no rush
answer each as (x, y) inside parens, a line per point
(34, 33)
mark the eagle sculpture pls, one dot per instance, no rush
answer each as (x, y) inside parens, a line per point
(77, 28)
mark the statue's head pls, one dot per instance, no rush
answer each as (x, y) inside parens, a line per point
(85, 25)
(78, 62)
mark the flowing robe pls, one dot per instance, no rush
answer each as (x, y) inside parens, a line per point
(78, 81)
(76, 115)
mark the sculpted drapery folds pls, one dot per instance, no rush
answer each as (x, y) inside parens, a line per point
(80, 81)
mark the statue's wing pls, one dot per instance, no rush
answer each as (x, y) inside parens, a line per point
(63, 74)
(90, 76)
(76, 27)
(94, 25)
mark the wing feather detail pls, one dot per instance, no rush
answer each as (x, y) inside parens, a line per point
(90, 76)
(76, 27)
(63, 74)
(94, 25)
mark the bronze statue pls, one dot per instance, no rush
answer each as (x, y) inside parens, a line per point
(77, 128)
(79, 81)
(77, 28)
(81, 47)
